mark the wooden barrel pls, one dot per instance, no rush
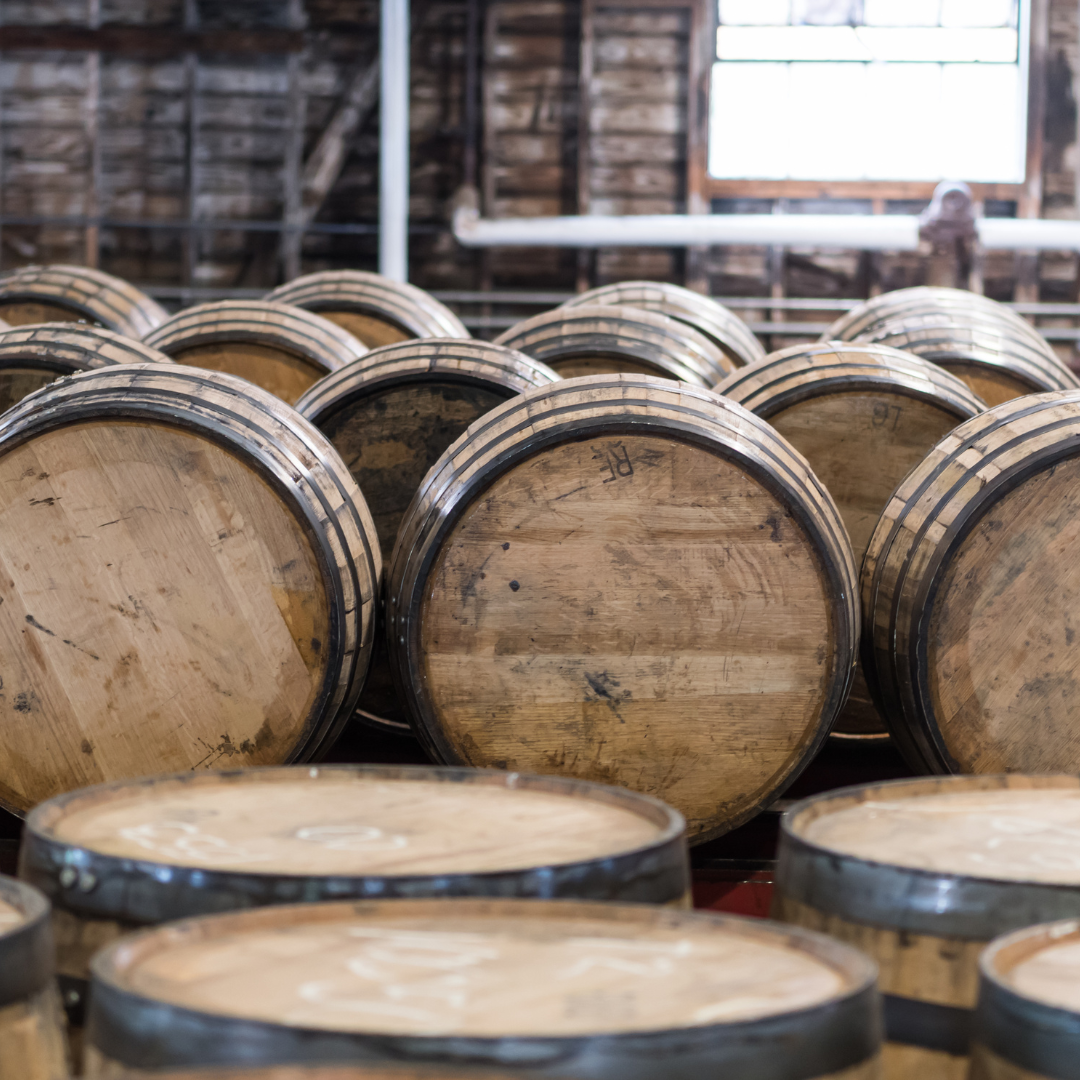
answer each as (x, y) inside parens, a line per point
(121, 856)
(969, 595)
(375, 309)
(595, 991)
(863, 416)
(281, 348)
(366, 1071)
(391, 415)
(34, 356)
(716, 322)
(32, 1044)
(920, 874)
(1027, 1023)
(188, 581)
(628, 580)
(57, 293)
(604, 339)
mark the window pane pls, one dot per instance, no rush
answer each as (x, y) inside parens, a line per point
(922, 45)
(789, 43)
(901, 12)
(829, 117)
(987, 144)
(903, 141)
(826, 12)
(748, 126)
(978, 13)
(755, 12)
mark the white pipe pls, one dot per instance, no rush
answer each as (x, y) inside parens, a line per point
(1048, 234)
(394, 140)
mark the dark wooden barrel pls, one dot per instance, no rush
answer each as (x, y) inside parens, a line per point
(57, 293)
(32, 1044)
(1027, 1022)
(604, 339)
(863, 416)
(390, 415)
(605, 991)
(34, 356)
(715, 321)
(970, 594)
(281, 348)
(920, 875)
(375, 309)
(628, 580)
(116, 857)
(189, 580)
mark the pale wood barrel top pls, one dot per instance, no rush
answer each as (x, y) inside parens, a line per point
(1048, 969)
(377, 310)
(283, 349)
(594, 581)
(175, 597)
(607, 339)
(714, 320)
(34, 294)
(518, 968)
(10, 917)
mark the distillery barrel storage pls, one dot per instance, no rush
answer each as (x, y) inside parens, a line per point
(921, 874)
(120, 856)
(376, 309)
(969, 595)
(281, 348)
(863, 416)
(188, 576)
(34, 356)
(596, 991)
(603, 339)
(704, 314)
(390, 415)
(32, 1043)
(628, 580)
(1027, 1022)
(57, 293)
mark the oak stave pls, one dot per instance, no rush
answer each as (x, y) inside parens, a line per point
(376, 309)
(188, 434)
(605, 339)
(836, 1033)
(283, 349)
(721, 326)
(561, 717)
(36, 294)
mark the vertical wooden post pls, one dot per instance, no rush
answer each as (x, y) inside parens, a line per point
(701, 48)
(191, 175)
(584, 140)
(1030, 203)
(292, 237)
(92, 123)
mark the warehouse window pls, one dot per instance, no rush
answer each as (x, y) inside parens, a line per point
(870, 90)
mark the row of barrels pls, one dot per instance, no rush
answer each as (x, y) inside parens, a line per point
(533, 925)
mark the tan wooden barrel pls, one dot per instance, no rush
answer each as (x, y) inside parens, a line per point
(188, 581)
(548, 989)
(281, 348)
(32, 1044)
(715, 321)
(863, 416)
(120, 856)
(920, 875)
(375, 309)
(969, 595)
(57, 293)
(1027, 1023)
(367, 1071)
(605, 339)
(628, 580)
(34, 356)
(390, 415)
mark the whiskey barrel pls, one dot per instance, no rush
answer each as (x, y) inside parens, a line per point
(57, 293)
(188, 581)
(863, 416)
(120, 856)
(716, 322)
(366, 1071)
(604, 339)
(969, 595)
(603, 991)
(281, 348)
(390, 415)
(628, 580)
(375, 309)
(921, 874)
(1027, 1023)
(34, 356)
(32, 1045)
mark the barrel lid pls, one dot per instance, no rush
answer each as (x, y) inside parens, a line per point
(532, 976)
(26, 945)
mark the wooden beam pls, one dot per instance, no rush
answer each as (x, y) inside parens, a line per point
(149, 40)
